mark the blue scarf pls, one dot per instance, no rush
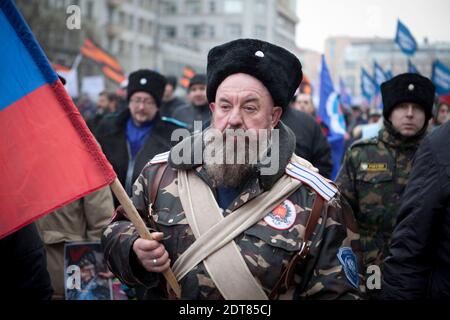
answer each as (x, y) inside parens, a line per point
(136, 136)
(225, 195)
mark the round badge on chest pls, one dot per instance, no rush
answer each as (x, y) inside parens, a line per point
(282, 217)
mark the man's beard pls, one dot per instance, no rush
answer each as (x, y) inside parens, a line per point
(229, 162)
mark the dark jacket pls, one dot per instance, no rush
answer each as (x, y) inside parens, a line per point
(168, 108)
(24, 266)
(112, 136)
(311, 144)
(419, 264)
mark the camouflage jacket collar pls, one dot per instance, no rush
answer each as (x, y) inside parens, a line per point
(393, 138)
(285, 151)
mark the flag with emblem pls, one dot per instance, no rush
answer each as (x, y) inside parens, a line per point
(440, 75)
(405, 39)
(389, 74)
(330, 112)
(368, 86)
(379, 77)
(48, 155)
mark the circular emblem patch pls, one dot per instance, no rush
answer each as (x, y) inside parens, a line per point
(282, 217)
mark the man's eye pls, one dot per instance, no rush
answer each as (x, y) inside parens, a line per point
(250, 108)
(225, 107)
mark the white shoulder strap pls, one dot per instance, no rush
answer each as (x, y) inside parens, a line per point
(160, 158)
(300, 169)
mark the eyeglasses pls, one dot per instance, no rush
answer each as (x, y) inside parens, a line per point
(146, 102)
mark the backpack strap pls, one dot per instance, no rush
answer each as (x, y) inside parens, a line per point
(156, 182)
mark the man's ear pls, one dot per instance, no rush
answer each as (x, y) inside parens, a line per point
(212, 106)
(276, 116)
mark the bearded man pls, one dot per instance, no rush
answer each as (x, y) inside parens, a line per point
(237, 215)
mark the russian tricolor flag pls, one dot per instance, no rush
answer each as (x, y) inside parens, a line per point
(48, 157)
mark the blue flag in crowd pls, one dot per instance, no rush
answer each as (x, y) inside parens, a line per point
(405, 39)
(346, 98)
(379, 74)
(440, 76)
(389, 74)
(379, 77)
(412, 68)
(330, 112)
(368, 85)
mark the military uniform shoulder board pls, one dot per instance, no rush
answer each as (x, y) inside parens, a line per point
(363, 142)
(311, 178)
(160, 158)
(175, 122)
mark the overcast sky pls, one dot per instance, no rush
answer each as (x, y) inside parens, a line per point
(320, 19)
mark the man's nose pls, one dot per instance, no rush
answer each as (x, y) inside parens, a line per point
(235, 119)
(410, 111)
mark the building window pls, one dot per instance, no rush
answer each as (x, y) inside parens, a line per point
(110, 14)
(141, 25)
(285, 24)
(260, 32)
(168, 7)
(130, 47)
(212, 7)
(130, 22)
(233, 6)
(150, 27)
(110, 43)
(193, 7)
(121, 18)
(233, 30)
(193, 31)
(168, 32)
(90, 9)
(211, 31)
(121, 47)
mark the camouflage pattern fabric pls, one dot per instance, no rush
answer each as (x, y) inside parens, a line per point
(372, 179)
(265, 249)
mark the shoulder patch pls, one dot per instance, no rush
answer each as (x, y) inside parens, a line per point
(313, 179)
(160, 158)
(349, 264)
(175, 122)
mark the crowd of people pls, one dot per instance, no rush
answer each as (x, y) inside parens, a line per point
(228, 230)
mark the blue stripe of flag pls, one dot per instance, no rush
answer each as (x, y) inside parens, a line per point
(24, 66)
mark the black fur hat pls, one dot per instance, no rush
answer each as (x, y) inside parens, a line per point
(408, 87)
(278, 69)
(148, 81)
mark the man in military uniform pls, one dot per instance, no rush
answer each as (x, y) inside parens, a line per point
(375, 171)
(237, 230)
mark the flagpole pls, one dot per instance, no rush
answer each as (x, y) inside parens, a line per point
(141, 228)
(77, 61)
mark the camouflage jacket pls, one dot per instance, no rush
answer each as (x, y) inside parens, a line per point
(265, 249)
(372, 179)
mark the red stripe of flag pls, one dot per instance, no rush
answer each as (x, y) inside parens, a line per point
(48, 156)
